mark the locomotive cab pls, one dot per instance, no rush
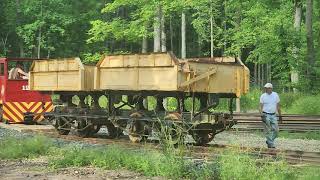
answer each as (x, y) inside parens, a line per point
(18, 104)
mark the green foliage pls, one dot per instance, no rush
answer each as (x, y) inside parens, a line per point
(287, 99)
(229, 165)
(293, 103)
(15, 148)
(235, 166)
(47, 17)
(148, 163)
(315, 135)
(311, 135)
(306, 105)
(251, 100)
(259, 31)
(130, 28)
(89, 58)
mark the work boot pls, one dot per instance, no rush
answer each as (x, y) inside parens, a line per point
(270, 146)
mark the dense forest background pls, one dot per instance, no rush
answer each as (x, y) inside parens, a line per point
(279, 40)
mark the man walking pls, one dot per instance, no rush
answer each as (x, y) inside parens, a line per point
(269, 106)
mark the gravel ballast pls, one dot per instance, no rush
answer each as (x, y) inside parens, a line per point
(256, 141)
(225, 138)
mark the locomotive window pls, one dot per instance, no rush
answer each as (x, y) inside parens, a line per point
(26, 65)
(1, 69)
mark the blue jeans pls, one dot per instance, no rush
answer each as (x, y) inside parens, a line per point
(271, 129)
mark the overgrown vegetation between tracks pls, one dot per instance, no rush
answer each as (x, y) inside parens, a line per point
(228, 165)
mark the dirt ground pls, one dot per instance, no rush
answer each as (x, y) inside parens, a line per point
(37, 169)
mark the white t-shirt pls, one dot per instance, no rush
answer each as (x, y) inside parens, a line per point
(269, 102)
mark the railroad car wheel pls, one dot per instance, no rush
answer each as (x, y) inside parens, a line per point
(137, 132)
(60, 123)
(95, 129)
(203, 134)
(83, 129)
(113, 131)
(136, 128)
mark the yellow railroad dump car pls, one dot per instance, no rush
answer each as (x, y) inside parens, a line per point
(143, 93)
(164, 72)
(61, 75)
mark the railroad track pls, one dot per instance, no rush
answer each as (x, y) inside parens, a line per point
(291, 122)
(200, 153)
(196, 153)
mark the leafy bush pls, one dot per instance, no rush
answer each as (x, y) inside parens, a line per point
(287, 99)
(89, 58)
(251, 100)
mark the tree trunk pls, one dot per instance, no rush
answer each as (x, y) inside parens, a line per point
(18, 20)
(297, 25)
(157, 31)
(211, 35)
(310, 46)
(199, 46)
(255, 74)
(183, 36)
(39, 43)
(171, 35)
(269, 72)
(259, 75)
(163, 34)
(298, 15)
(262, 74)
(144, 44)
(4, 44)
(40, 33)
(21, 48)
(224, 26)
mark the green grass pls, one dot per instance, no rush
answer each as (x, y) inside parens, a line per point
(310, 135)
(14, 148)
(231, 164)
(235, 166)
(306, 105)
(148, 163)
(241, 166)
(315, 135)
